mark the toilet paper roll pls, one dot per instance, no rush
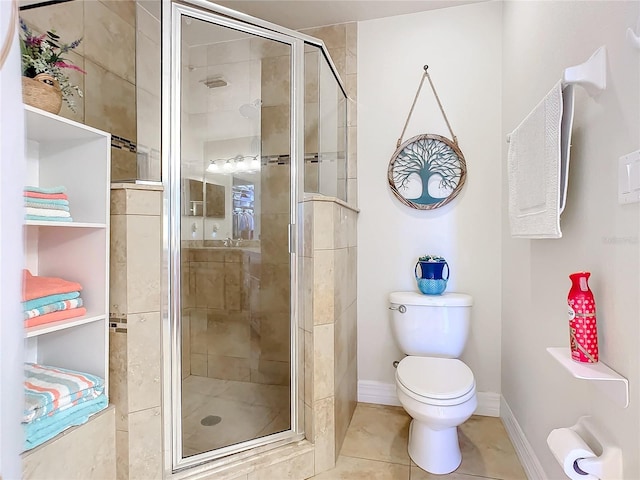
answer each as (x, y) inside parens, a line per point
(568, 447)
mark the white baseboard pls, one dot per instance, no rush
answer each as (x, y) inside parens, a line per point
(488, 404)
(370, 391)
(381, 393)
(526, 455)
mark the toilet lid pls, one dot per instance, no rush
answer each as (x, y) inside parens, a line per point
(432, 377)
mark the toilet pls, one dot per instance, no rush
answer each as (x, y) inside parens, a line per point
(433, 386)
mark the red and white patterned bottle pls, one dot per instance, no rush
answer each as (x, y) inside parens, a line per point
(582, 320)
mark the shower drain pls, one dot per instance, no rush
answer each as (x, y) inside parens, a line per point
(210, 420)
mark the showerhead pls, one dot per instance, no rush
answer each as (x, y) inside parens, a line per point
(250, 110)
(215, 82)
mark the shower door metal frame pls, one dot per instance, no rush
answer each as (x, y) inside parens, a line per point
(171, 171)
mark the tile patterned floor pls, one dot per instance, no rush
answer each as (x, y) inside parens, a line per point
(375, 448)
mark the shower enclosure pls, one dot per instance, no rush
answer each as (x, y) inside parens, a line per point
(255, 113)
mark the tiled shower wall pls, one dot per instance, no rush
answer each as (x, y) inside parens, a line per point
(330, 281)
(135, 362)
(342, 42)
(108, 54)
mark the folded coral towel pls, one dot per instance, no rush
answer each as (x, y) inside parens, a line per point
(42, 301)
(58, 189)
(43, 212)
(53, 307)
(49, 205)
(49, 196)
(45, 428)
(55, 317)
(48, 389)
(36, 287)
(42, 218)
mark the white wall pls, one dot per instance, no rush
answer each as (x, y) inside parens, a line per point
(599, 235)
(462, 46)
(12, 168)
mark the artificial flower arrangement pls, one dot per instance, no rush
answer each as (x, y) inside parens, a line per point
(44, 54)
(431, 258)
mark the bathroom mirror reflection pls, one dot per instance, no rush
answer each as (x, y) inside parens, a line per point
(203, 199)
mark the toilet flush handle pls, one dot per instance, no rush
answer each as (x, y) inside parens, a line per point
(400, 308)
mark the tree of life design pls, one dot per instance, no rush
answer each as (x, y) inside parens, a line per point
(427, 158)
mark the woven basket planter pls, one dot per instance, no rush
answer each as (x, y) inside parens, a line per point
(42, 92)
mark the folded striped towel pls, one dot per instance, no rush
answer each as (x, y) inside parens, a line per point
(48, 390)
(47, 206)
(58, 189)
(43, 212)
(42, 218)
(42, 301)
(53, 307)
(45, 428)
(49, 196)
(55, 317)
(35, 287)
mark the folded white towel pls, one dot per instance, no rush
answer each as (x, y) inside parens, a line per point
(43, 212)
(537, 175)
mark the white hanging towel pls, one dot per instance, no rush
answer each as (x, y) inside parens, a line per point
(538, 166)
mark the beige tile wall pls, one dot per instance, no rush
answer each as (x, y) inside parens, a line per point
(341, 41)
(108, 55)
(148, 74)
(329, 278)
(271, 325)
(86, 452)
(135, 340)
(329, 310)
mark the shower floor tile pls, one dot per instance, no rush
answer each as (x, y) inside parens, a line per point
(245, 410)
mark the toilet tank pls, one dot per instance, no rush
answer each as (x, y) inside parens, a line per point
(430, 325)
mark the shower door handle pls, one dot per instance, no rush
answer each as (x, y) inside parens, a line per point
(291, 238)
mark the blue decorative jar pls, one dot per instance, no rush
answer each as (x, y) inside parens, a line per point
(432, 277)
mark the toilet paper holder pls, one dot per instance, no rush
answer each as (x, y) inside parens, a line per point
(607, 465)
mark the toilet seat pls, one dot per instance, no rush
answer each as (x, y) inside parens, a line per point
(436, 381)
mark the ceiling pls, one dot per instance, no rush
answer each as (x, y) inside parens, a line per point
(300, 14)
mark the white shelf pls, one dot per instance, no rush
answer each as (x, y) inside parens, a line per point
(47, 127)
(61, 152)
(39, 223)
(62, 324)
(606, 379)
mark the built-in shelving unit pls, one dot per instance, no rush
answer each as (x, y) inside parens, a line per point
(64, 152)
(606, 379)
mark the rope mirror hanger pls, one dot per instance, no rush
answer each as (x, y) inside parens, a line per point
(427, 171)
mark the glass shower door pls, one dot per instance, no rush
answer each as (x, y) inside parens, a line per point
(233, 172)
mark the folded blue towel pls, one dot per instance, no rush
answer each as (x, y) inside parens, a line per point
(42, 301)
(45, 428)
(46, 201)
(42, 218)
(47, 206)
(59, 189)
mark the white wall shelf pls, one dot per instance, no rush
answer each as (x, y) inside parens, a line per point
(39, 223)
(610, 382)
(62, 325)
(61, 152)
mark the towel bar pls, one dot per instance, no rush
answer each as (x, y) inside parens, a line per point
(592, 74)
